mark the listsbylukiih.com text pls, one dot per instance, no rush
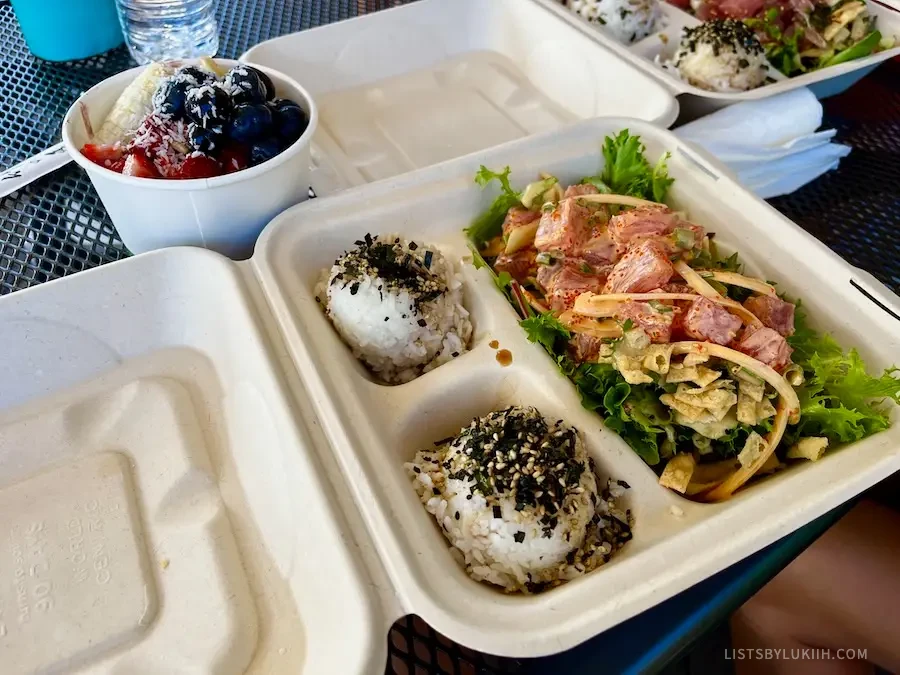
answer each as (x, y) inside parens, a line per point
(796, 654)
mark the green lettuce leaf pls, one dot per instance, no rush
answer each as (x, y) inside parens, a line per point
(490, 223)
(626, 170)
(839, 399)
(660, 180)
(546, 329)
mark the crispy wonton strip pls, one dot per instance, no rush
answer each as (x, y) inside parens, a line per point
(707, 476)
(784, 389)
(677, 474)
(735, 279)
(699, 284)
(728, 486)
(616, 199)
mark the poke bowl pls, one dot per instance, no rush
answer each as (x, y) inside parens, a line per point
(168, 179)
(720, 52)
(429, 458)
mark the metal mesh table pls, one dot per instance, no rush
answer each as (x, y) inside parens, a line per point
(57, 225)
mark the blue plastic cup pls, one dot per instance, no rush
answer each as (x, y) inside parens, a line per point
(66, 30)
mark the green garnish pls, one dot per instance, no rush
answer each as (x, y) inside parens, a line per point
(839, 399)
(626, 170)
(684, 238)
(547, 330)
(490, 223)
(855, 51)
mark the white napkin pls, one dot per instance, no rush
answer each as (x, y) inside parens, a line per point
(770, 144)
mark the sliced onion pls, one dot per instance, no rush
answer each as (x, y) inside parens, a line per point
(782, 386)
(521, 237)
(597, 329)
(699, 284)
(623, 200)
(735, 279)
(599, 305)
(695, 281)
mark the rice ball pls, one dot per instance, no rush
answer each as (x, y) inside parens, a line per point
(722, 55)
(516, 496)
(398, 305)
(626, 20)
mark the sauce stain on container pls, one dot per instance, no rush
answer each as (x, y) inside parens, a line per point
(493, 344)
(504, 357)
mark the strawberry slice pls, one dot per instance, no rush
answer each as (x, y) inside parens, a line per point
(117, 166)
(198, 166)
(137, 164)
(234, 157)
(104, 155)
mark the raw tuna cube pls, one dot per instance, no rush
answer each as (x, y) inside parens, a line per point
(580, 191)
(643, 268)
(773, 312)
(519, 265)
(564, 229)
(600, 249)
(641, 222)
(705, 320)
(518, 216)
(656, 222)
(655, 322)
(766, 345)
(585, 347)
(568, 282)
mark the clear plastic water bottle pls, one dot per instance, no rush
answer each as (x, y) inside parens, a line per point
(160, 30)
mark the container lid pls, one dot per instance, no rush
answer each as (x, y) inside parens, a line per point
(163, 506)
(430, 81)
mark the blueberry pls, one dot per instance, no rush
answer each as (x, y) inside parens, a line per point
(250, 122)
(195, 75)
(245, 85)
(208, 106)
(267, 83)
(264, 150)
(170, 96)
(206, 140)
(290, 119)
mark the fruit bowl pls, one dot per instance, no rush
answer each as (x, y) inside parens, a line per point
(224, 213)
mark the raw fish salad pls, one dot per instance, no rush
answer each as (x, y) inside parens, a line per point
(711, 375)
(738, 41)
(802, 35)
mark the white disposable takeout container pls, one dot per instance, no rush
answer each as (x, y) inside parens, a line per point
(206, 437)
(664, 43)
(433, 80)
(225, 213)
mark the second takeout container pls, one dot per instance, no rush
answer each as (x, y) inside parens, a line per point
(205, 479)
(696, 101)
(225, 213)
(433, 80)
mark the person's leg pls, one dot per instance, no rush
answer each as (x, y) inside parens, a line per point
(841, 593)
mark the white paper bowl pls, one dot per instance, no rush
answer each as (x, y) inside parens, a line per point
(225, 213)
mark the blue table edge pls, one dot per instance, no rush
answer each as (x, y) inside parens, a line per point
(652, 640)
